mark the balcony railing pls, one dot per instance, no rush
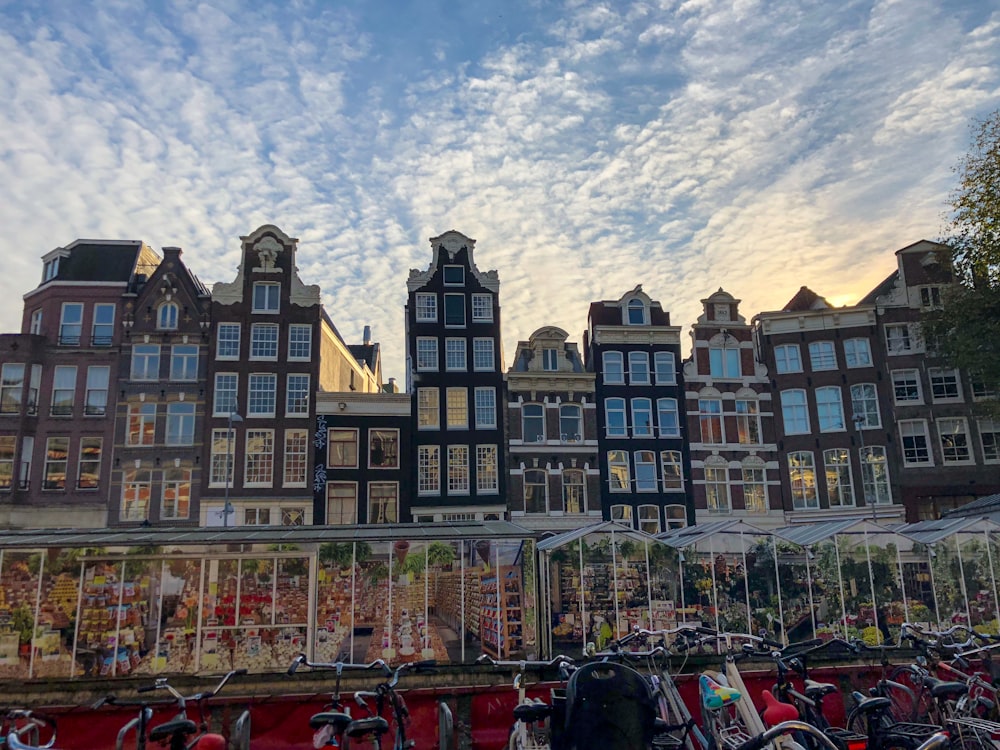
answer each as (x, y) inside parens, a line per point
(66, 339)
(61, 411)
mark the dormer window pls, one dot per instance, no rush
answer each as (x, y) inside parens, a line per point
(454, 276)
(166, 317)
(636, 313)
(51, 270)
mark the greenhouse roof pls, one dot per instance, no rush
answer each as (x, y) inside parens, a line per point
(689, 535)
(219, 535)
(607, 527)
(807, 534)
(930, 532)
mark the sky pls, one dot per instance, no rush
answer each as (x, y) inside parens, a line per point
(587, 146)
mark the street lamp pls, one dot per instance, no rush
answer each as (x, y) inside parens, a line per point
(227, 508)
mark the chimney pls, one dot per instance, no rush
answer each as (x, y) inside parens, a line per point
(367, 336)
(172, 253)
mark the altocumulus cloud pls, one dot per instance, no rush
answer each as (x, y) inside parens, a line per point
(588, 147)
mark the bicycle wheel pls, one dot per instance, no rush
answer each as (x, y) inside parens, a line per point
(915, 706)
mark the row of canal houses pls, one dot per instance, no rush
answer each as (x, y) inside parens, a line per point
(134, 395)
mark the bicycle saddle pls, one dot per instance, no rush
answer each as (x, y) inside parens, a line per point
(361, 727)
(819, 689)
(336, 719)
(940, 688)
(170, 728)
(867, 705)
(532, 712)
(775, 711)
(714, 695)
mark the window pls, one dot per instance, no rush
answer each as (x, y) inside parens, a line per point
(293, 516)
(427, 353)
(570, 423)
(642, 417)
(11, 387)
(7, 444)
(228, 341)
(614, 415)
(981, 391)
(638, 368)
(180, 423)
(717, 489)
(724, 362)
(454, 276)
(224, 403)
(56, 462)
(954, 435)
(665, 368)
(256, 516)
(259, 458)
(221, 474)
(428, 409)
(829, 409)
(266, 298)
(666, 411)
(944, 384)
(96, 403)
(383, 502)
(802, 474)
(71, 324)
(672, 471)
(754, 489)
(793, 412)
(916, 446)
(482, 355)
(618, 474)
(341, 503)
(454, 310)
(103, 330)
(748, 421)
(614, 368)
(175, 500)
(428, 469)
(260, 402)
(458, 469)
(63, 390)
(550, 360)
(457, 408)
(535, 491)
(930, 298)
(989, 439)
(89, 469)
(533, 423)
(166, 317)
(296, 458)
(486, 408)
(875, 475)
(299, 342)
(645, 471)
(822, 356)
(141, 424)
(27, 451)
(710, 420)
(636, 313)
(342, 451)
(857, 353)
(137, 486)
(787, 358)
(383, 449)
(50, 270)
(898, 339)
(264, 341)
(36, 323)
(297, 396)
(649, 519)
(864, 406)
(146, 362)
(676, 516)
(427, 308)
(455, 358)
(34, 384)
(486, 470)
(184, 362)
(906, 387)
(482, 308)
(839, 484)
(622, 514)
(574, 491)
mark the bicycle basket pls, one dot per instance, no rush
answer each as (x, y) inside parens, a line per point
(608, 706)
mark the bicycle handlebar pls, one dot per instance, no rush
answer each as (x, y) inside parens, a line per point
(786, 727)
(524, 663)
(339, 666)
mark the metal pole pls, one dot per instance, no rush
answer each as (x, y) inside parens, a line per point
(746, 582)
(871, 579)
(614, 580)
(583, 605)
(993, 578)
(961, 578)
(809, 581)
(777, 583)
(902, 585)
(649, 587)
(840, 581)
(930, 567)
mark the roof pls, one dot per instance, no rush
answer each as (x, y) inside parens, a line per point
(100, 260)
(931, 532)
(807, 534)
(805, 299)
(218, 536)
(607, 527)
(881, 290)
(367, 353)
(689, 535)
(978, 507)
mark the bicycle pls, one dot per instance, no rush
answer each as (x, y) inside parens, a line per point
(530, 730)
(175, 732)
(375, 726)
(22, 730)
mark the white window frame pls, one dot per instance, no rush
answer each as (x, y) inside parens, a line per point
(255, 408)
(618, 371)
(228, 343)
(175, 479)
(899, 339)
(223, 407)
(458, 460)
(427, 359)
(649, 482)
(857, 353)
(348, 504)
(223, 447)
(990, 448)
(297, 398)
(542, 475)
(962, 429)
(483, 358)
(665, 368)
(550, 360)
(457, 408)
(428, 470)
(945, 376)
(452, 267)
(636, 305)
(426, 307)
(897, 376)
(748, 421)
(64, 379)
(180, 423)
(295, 455)
(184, 354)
(865, 401)
(270, 306)
(642, 406)
(98, 380)
(486, 408)
(830, 411)
(672, 458)
(353, 434)
(622, 514)
(297, 342)
(919, 431)
(724, 363)
(71, 332)
(388, 511)
(875, 484)
(708, 416)
(648, 518)
(264, 348)
(754, 480)
(822, 356)
(456, 355)
(102, 332)
(263, 474)
(808, 497)
(482, 308)
(571, 413)
(627, 476)
(841, 492)
(638, 368)
(784, 362)
(148, 354)
(542, 435)
(426, 409)
(144, 414)
(615, 406)
(487, 470)
(718, 498)
(167, 316)
(464, 319)
(794, 412)
(574, 493)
